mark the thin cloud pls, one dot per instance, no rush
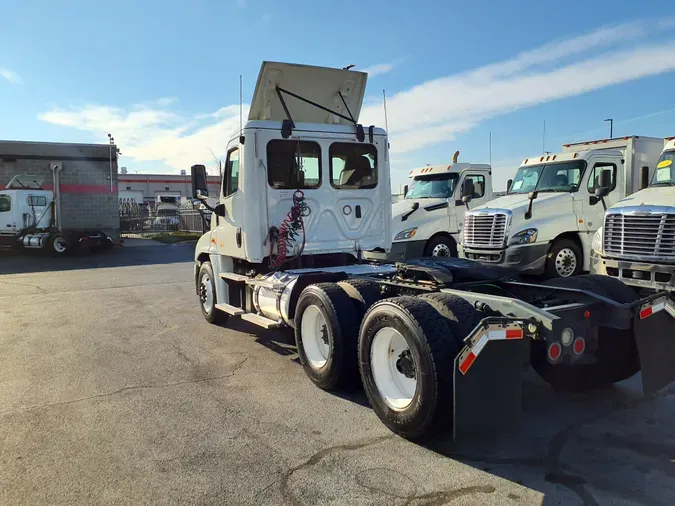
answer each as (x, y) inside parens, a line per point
(10, 76)
(430, 113)
(380, 68)
(437, 110)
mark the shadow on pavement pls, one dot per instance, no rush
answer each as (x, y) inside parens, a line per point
(38, 261)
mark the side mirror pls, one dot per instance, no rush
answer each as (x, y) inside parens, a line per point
(405, 191)
(509, 183)
(532, 196)
(200, 188)
(467, 190)
(219, 210)
(644, 177)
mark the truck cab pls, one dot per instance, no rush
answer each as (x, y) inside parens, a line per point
(637, 241)
(24, 206)
(546, 222)
(304, 184)
(427, 221)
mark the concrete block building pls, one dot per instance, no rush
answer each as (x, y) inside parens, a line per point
(88, 179)
(145, 188)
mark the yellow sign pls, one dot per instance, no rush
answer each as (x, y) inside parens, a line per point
(664, 164)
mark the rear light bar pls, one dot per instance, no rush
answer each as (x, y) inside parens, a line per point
(480, 340)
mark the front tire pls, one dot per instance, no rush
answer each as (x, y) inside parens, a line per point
(206, 289)
(440, 246)
(406, 357)
(564, 259)
(326, 330)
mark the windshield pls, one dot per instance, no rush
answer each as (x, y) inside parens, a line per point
(664, 175)
(552, 177)
(432, 186)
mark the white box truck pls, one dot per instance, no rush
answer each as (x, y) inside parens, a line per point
(546, 222)
(637, 241)
(427, 221)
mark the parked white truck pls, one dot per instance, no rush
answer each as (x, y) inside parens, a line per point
(428, 220)
(30, 219)
(637, 241)
(306, 190)
(546, 222)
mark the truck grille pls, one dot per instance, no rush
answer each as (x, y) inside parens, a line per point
(650, 236)
(485, 230)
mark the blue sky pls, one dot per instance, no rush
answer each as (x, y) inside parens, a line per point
(163, 76)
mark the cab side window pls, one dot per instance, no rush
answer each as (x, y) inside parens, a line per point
(231, 175)
(5, 203)
(478, 185)
(594, 177)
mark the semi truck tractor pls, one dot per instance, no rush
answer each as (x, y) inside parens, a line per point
(546, 222)
(636, 244)
(30, 219)
(428, 220)
(306, 190)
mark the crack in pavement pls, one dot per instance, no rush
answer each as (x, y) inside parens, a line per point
(125, 389)
(318, 457)
(39, 289)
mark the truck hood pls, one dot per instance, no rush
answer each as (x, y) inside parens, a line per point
(428, 211)
(656, 196)
(520, 202)
(320, 85)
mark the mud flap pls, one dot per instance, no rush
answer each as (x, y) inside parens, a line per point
(655, 338)
(488, 394)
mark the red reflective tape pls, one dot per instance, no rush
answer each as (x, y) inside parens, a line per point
(514, 334)
(645, 313)
(467, 362)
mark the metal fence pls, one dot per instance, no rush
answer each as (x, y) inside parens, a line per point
(141, 221)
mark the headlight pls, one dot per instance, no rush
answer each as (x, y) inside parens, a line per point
(406, 234)
(596, 243)
(524, 237)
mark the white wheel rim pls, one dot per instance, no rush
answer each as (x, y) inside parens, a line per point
(441, 250)
(206, 293)
(60, 245)
(316, 337)
(565, 263)
(389, 356)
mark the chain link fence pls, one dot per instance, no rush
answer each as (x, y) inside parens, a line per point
(141, 220)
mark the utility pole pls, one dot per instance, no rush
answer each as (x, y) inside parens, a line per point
(611, 127)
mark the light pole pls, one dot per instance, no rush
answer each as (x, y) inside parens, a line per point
(611, 127)
(111, 143)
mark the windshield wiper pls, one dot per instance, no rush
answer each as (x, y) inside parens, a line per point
(663, 183)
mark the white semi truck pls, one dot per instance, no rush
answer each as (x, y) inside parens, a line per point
(546, 222)
(30, 219)
(428, 220)
(637, 241)
(306, 191)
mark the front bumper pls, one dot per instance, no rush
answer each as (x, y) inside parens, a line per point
(527, 258)
(399, 251)
(639, 274)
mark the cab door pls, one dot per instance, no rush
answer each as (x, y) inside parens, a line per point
(592, 212)
(7, 221)
(480, 197)
(228, 233)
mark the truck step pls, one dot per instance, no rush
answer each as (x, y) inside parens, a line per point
(233, 276)
(261, 321)
(227, 308)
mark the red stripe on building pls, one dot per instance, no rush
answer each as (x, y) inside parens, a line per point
(78, 188)
(166, 181)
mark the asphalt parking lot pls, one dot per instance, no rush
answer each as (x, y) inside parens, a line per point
(114, 390)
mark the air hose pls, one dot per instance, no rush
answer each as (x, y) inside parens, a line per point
(292, 226)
